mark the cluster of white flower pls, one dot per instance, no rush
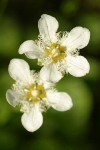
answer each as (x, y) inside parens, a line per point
(57, 53)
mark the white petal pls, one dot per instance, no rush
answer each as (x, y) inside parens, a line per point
(11, 97)
(32, 120)
(77, 66)
(50, 73)
(77, 38)
(48, 26)
(60, 101)
(30, 49)
(19, 70)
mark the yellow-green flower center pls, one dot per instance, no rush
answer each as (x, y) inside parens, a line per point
(56, 52)
(34, 92)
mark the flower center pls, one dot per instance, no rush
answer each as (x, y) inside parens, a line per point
(34, 92)
(56, 52)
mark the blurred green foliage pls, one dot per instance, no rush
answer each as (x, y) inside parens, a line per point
(78, 128)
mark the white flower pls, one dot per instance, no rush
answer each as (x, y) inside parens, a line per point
(58, 52)
(33, 94)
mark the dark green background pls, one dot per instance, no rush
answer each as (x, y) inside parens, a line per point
(78, 128)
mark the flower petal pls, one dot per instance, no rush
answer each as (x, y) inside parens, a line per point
(50, 73)
(32, 120)
(77, 66)
(77, 38)
(30, 49)
(19, 70)
(48, 26)
(60, 101)
(11, 97)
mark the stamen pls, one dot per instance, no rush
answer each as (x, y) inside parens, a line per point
(59, 57)
(31, 87)
(40, 87)
(42, 95)
(34, 92)
(55, 52)
(53, 45)
(61, 48)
